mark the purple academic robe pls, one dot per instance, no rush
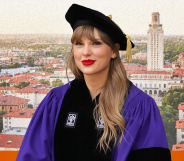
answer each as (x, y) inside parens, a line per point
(144, 126)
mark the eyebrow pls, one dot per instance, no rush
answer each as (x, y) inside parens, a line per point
(95, 39)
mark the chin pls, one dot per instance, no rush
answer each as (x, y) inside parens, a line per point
(88, 72)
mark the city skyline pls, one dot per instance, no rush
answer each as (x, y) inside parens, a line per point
(48, 16)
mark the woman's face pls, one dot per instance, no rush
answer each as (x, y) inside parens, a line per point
(98, 52)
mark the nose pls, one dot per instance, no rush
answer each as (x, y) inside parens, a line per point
(86, 50)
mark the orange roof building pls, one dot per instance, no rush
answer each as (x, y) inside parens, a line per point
(16, 119)
(10, 142)
(35, 93)
(21, 113)
(179, 72)
(137, 67)
(8, 103)
(178, 147)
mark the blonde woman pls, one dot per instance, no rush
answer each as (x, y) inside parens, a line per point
(100, 115)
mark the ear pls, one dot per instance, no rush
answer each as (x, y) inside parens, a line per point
(114, 55)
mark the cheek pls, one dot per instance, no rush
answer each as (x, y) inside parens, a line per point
(76, 56)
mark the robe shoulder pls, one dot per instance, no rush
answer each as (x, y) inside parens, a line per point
(144, 132)
(38, 143)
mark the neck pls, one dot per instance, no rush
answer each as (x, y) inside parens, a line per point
(95, 82)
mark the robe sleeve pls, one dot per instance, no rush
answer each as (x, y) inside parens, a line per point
(144, 138)
(37, 142)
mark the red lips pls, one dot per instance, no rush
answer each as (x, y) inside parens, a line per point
(88, 62)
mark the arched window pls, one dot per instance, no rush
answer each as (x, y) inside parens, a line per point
(150, 91)
(145, 91)
(155, 92)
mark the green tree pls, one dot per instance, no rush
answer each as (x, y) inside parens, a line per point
(2, 112)
(4, 84)
(15, 65)
(57, 83)
(1, 67)
(30, 61)
(22, 85)
(21, 57)
(50, 70)
(43, 81)
(136, 61)
(168, 113)
(41, 69)
(169, 110)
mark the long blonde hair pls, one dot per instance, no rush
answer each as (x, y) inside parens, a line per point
(111, 100)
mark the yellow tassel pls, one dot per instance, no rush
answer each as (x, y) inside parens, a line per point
(110, 16)
(128, 56)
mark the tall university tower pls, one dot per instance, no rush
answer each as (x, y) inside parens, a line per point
(155, 44)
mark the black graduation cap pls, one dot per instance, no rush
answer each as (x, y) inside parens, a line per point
(78, 15)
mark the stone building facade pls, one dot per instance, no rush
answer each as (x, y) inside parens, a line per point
(155, 44)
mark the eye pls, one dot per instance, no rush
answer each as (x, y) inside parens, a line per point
(78, 43)
(97, 43)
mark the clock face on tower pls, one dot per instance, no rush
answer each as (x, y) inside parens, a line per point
(154, 26)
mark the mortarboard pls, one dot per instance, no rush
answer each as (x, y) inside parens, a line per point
(78, 15)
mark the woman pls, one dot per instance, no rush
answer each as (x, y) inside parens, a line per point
(101, 115)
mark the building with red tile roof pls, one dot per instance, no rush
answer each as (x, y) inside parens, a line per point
(178, 147)
(1, 93)
(40, 75)
(179, 72)
(18, 79)
(24, 60)
(181, 55)
(5, 79)
(8, 90)
(10, 142)
(182, 66)
(180, 60)
(35, 93)
(179, 130)
(8, 102)
(18, 118)
(34, 82)
(168, 66)
(181, 106)
(48, 66)
(137, 67)
(60, 66)
(152, 82)
(180, 124)
(47, 60)
(181, 111)
(152, 72)
(21, 113)
(34, 89)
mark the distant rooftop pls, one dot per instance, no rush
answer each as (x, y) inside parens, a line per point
(15, 131)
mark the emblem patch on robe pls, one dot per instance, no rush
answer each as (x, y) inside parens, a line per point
(100, 124)
(71, 120)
